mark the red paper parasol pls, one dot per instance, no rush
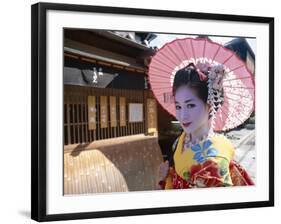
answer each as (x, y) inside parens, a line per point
(238, 83)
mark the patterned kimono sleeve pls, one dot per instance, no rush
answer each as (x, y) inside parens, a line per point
(211, 173)
(239, 175)
(214, 171)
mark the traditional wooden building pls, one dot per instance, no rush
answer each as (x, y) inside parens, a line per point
(110, 114)
(105, 87)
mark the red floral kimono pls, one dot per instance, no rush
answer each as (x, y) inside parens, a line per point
(207, 164)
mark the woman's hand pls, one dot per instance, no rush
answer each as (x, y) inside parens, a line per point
(163, 173)
(163, 170)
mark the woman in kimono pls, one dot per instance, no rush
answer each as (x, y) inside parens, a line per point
(201, 158)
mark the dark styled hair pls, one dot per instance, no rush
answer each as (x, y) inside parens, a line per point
(188, 76)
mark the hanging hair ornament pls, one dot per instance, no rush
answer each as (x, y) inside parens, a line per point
(214, 75)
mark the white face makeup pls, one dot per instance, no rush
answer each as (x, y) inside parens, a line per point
(191, 111)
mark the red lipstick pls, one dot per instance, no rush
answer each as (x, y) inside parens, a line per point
(186, 124)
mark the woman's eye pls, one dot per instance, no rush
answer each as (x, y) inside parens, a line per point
(178, 107)
(190, 105)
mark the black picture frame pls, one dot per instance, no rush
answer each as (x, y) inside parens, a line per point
(39, 109)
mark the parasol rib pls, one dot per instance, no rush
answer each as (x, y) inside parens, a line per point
(215, 55)
(162, 63)
(228, 59)
(204, 49)
(240, 66)
(238, 87)
(174, 53)
(247, 77)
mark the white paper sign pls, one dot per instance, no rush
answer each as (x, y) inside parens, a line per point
(135, 112)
